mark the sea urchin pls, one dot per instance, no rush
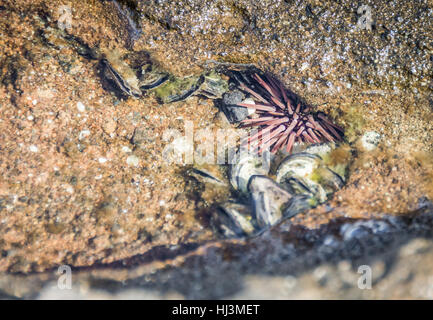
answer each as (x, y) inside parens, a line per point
(281, 120)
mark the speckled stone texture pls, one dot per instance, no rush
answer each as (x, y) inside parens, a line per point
(83, 181)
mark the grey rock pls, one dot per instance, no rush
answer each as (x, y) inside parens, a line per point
(228, 105)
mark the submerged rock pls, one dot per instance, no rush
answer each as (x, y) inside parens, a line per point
(319, 52)
(322, 43)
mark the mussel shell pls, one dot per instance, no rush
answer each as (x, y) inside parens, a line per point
(153, 80)
(268, 199)
(233, 219)
(296, 171)
(209, 174)
(176, 89)
(306, 174)
(247, 166)
(297, 186)
(298, 204)
(125, 86)
(298, 165)
(212, 86)
(330, 180)
(149, 73)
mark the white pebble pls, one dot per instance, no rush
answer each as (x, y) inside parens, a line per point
(33, 148)
(126, 149)
(83, 134)
(249, 101)
(81, 107)
(102, 160)
(304, 66)
(132, 161)
(370, 140)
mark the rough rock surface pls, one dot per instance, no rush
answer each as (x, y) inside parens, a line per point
(83, 181)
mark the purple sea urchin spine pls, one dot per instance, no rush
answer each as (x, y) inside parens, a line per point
(281, 124)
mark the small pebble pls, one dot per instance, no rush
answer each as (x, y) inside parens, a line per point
(81, 107)
(133, 161)
(370, 140)
(126, 149)
(83, 134)
(33, 148)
